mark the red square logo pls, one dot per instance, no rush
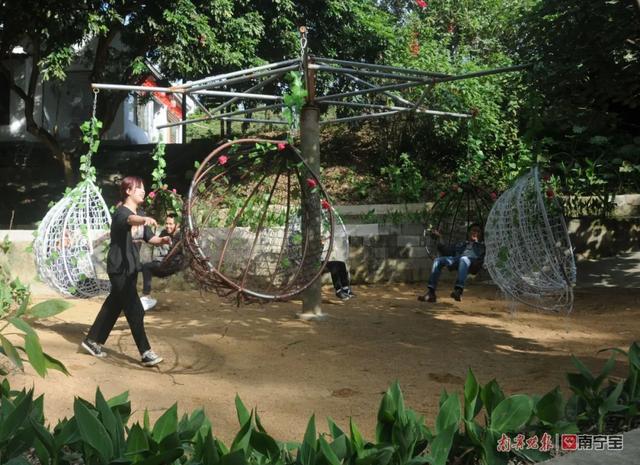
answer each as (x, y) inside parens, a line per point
(569, 442)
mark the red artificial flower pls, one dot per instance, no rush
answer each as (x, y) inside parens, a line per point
(311, 183)
(281, 146)
(414, 48)
(421, 3)
(152, 194)
(325, 204)
(546, 177)
(442, 194)
(550, 193)
(494, 196)
(222, 159)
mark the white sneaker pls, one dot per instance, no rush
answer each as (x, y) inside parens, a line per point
(150, 358)
(147, 302)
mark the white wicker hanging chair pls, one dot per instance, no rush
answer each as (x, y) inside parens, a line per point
(70, 246)
(529, 254)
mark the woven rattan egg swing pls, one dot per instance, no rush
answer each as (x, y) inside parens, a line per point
(69, 246)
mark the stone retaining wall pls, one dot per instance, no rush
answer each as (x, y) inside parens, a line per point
(381, 253)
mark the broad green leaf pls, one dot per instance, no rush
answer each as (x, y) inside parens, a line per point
(93, 433)
(491, 395)
(55, 364)
(449, 415)
(334, 429)
(34, 353)
(11, 352)
(472, 402)
(511, 414)
(474, 431)
(47, 308)
(265, 444)
(106, 415)
(241, 411)
(22, 325)
(550, 408)
(356, 437)
(582, 369)
(242, 438)
(442, 443)
(310, 433)
(234, 458)
(328, 453)
(166, 424)
(163, 458)
(16, 418)
(137, 441)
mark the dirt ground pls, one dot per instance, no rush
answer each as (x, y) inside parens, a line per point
(290, 369)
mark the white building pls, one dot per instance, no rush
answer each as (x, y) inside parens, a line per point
(61, 107)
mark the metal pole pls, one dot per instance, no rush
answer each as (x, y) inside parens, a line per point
(335, 69)
(488, 72)
(310, 148)
(388, 94)
(254, 120)
(251, 89)
(224, 93)
(365, 116)
(222, 115)
(393, 107)
(240, 79)
(404, 85)
(187, 85)
(357, 64)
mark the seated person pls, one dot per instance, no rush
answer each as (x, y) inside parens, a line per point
(157, 267)
(465, 257)
(340, 279)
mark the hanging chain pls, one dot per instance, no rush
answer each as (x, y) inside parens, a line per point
(95, 104)
(303, 45)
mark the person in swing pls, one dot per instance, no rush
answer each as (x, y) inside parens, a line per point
(157, 267)
(123, 265)
(465, 257)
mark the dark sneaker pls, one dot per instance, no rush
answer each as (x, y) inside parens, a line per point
(430, 296)
(347, 290)
(150, 358)
(93, 348)
(457, 293)
(342, 295)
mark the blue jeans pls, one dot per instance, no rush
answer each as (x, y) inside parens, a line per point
(461, 263)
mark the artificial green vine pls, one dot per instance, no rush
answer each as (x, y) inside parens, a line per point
(294, 100)
(90, 136)
(159, 172)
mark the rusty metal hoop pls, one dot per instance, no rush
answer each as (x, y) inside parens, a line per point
(257, 221)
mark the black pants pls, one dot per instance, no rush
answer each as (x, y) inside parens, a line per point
(157, 269)
(339, 274)
(123, 296)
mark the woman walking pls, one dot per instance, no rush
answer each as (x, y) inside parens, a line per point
(123, 264)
